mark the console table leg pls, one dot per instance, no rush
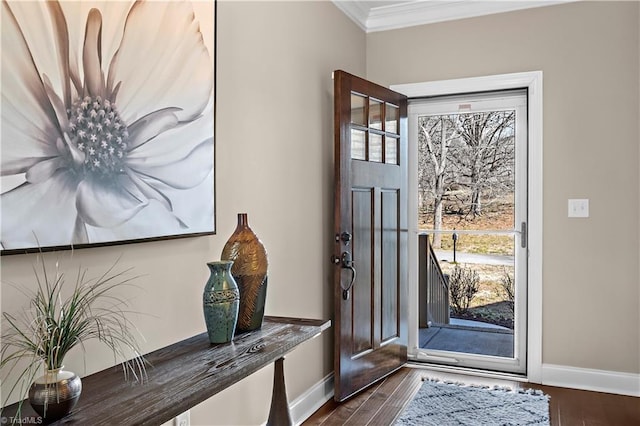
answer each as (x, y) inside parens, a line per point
(279, 414)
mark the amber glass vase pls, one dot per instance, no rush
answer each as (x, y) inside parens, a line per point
(249, 270)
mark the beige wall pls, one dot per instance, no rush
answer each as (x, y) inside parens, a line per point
(589, 54)
(274, 146)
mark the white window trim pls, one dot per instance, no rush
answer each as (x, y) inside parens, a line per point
(532, 81)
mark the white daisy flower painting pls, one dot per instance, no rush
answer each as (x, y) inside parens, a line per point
(107, 122)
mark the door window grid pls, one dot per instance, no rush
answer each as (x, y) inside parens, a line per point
(374, 127)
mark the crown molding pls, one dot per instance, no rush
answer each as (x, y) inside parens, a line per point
(420, 12)
(355, 10)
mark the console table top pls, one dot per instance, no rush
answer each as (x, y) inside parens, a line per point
(183, 375)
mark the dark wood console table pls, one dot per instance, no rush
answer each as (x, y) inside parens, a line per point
(186, 373)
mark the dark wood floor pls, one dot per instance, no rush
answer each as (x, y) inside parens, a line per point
(383, 402)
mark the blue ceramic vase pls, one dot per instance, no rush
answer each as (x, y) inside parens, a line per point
(221, 300)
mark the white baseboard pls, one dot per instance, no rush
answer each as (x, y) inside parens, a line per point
(309, 402)
(593, 380)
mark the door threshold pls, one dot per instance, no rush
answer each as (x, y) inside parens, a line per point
(474, 372)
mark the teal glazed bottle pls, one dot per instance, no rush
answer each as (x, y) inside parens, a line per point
(221, 301)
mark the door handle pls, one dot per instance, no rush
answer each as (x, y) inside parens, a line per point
(346, 262)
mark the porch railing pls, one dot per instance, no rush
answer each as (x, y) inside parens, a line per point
(433, 286)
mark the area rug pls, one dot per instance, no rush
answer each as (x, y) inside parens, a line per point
(449, 404)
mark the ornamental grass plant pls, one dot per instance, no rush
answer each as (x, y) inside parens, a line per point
(58, 318)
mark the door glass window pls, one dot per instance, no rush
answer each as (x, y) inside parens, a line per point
(391, 150)
(375, 114)
(375, 147)
(358, 109)
(391, 117)
(358, 144)
(374, 130)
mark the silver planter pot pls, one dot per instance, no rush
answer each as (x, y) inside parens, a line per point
(54, 394)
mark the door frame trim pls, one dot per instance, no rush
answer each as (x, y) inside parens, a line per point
(532, 81)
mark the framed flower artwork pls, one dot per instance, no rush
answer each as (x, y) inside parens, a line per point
(107, 122)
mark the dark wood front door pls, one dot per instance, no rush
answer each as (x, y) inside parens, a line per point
(370, 256)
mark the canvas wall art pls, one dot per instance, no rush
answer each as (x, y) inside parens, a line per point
(107, 122)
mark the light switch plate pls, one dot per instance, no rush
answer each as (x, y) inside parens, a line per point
(578, 208)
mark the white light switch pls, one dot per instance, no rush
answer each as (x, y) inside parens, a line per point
(579, 208)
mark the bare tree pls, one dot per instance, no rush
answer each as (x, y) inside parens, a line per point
(486, 163)
(464, 161)
(436, 133)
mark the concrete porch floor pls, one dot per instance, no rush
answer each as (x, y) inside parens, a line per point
(468, 337)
